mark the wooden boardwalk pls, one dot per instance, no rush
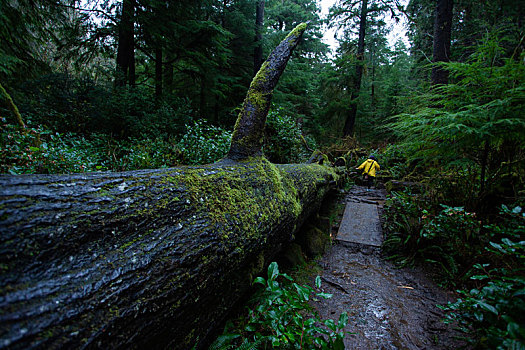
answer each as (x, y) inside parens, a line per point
(360, 224)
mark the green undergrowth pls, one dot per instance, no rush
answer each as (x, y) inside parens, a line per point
(279, 316)
(41, 150)
(484, 260)
(492, 312)
(448, 238)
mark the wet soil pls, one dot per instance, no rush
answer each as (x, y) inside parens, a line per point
(388, 307)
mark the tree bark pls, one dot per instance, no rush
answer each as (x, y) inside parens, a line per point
(158, 73)
(442, 37)
(149, 258)
(259, 22)
(247, 138)
(142, 259)
(168, 76)
(350, 119)
(12, 106)
(483, 170)
(125, 48)
(131, 68)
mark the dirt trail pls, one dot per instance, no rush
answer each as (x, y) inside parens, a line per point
(388, 308)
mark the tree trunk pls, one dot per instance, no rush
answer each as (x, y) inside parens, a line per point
(372, 88)
(350, 119)
(442, 37)
(483, 170)
(131, 69)
(247, 138)
(168, 76)
(12, 106)
(259, 22)
(125, 49)
(148, 258)
(202, 95)
(158, 73)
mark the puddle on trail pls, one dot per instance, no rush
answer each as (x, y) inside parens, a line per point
(388, 308)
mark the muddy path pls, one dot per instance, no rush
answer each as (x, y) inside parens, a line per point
(388, 308)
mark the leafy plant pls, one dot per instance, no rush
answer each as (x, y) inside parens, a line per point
(42, 151)
(280, 317)
(203, 143)
(448, 238)
(38, 150)
(284, 139)
(403, 225)
(493, 313)
(394, 160)
(474, 125)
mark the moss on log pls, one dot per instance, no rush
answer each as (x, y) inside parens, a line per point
(142, 258)
(248, 134)
(149, 258)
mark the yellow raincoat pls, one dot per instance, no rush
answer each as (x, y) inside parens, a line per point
(369, 167)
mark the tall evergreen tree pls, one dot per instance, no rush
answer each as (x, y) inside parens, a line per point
(442, 37)
(125, 60)
(259, 22)
(351, 15)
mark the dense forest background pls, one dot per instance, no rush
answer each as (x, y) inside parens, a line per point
(120, 85)
(129, 84)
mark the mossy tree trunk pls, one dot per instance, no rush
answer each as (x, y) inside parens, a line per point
(12, 106)
(247, 138)
(148, 258)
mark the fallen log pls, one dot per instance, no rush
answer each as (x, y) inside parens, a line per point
(141, 258)
(148, 258)
(248, 135)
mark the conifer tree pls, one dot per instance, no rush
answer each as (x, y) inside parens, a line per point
(125, 60)
(349, 15)
(442, 37)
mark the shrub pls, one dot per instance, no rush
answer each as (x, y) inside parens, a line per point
(203, 143)
(39, 150)
(403, 225)
(280, 317)
(284, 139)
(448, 238)
(473, 126)
(394, 160)
(493, 313)
(65, 103)
(148, 153)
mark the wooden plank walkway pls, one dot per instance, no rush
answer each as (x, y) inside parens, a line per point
(360, 224)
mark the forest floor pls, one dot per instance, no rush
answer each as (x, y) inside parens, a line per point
(388, 307)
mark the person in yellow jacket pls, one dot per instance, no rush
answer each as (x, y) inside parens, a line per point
(369, 168)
